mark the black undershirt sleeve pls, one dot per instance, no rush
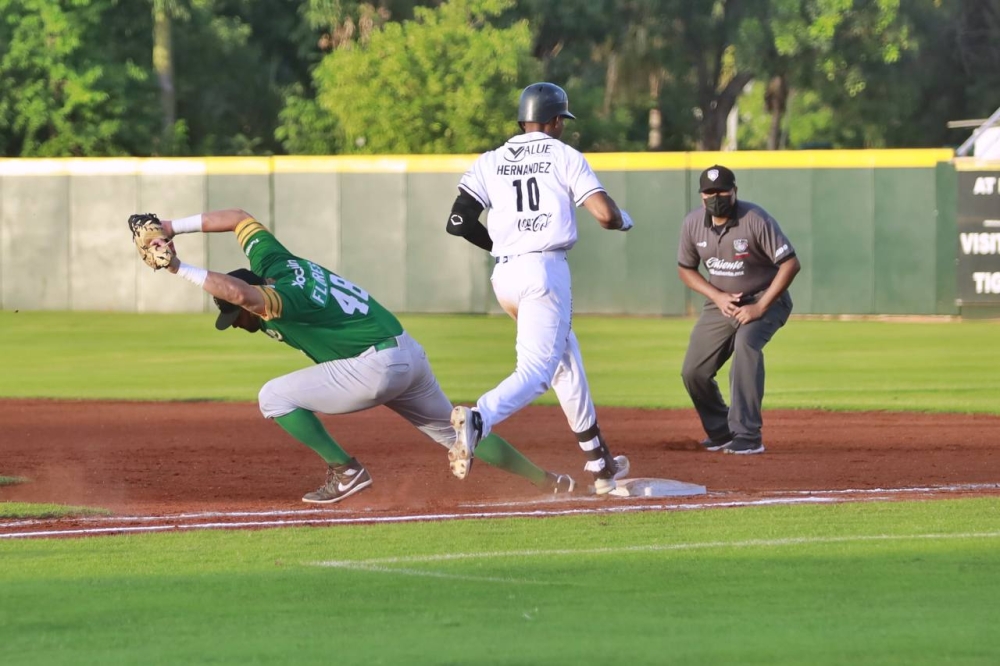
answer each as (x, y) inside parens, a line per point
(464, 221)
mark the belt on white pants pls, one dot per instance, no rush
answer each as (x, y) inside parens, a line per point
(388, 343)
(548, 253)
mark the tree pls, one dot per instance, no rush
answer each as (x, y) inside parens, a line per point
(609, 68)
(445, 82)
(71, 82)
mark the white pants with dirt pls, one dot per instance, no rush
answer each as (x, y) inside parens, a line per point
(399, 377)
(536, 290)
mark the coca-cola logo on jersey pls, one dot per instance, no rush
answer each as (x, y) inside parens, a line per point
(537, 223)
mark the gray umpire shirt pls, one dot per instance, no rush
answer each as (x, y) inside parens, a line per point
(742, 255)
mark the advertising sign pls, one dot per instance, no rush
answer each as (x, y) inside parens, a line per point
(978, 266)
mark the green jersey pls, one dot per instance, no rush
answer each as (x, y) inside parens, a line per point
(309, 307)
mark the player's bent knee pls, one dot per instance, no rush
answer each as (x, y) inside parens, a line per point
(694, 377)
(273, 402)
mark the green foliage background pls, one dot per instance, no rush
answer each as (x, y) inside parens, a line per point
(419, 76)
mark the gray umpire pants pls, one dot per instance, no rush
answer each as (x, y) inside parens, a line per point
(714, 339)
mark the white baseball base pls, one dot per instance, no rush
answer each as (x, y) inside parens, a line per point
(656, 488)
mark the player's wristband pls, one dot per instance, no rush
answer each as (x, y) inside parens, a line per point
(187, 225)
(193, 274)
(626, 222)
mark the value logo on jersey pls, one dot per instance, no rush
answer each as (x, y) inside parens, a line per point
(518, 153)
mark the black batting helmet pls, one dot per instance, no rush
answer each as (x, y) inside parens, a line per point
(541, 102)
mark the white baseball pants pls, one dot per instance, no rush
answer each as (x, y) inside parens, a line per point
(399, 378)
(536, 290)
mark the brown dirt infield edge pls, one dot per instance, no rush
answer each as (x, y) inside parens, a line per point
(162, 459)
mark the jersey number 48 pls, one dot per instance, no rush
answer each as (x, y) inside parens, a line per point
(350, 296)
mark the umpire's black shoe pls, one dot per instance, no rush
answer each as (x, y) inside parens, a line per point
(716, 444)
(341, 481)
(744, 448)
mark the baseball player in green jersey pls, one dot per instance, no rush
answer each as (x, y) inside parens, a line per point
(750, 264)
(363, 357)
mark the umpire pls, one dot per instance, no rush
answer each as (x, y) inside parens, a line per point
(750, 265)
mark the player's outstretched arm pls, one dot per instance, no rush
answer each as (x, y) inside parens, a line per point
(211, 222)
(606, 212)
(222, 286)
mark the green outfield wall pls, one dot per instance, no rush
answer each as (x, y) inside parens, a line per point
(875, 230)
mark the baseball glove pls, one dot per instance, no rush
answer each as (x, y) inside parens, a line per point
(150, 240)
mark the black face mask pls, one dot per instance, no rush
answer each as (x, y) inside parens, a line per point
(720, 205)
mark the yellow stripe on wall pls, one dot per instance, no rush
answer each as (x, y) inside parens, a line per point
(71, 166)
(374, 164)
(823, 159)
(458, 164)
(238, 166)
(975, 164)
(103, 166)
(639, 161)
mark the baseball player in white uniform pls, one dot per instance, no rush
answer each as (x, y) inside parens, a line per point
(532, 186)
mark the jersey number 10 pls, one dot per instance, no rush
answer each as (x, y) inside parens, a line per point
(533, 194)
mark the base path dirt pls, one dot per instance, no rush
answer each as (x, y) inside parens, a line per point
(158, 459)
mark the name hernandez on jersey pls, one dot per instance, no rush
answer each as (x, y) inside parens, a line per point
(524, 169)
(532, 185)
(309, 307)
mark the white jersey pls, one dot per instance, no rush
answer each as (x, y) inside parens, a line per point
(532, 185)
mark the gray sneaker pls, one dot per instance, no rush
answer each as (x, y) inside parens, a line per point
(341, 481)
(742, 448)
(710, 445)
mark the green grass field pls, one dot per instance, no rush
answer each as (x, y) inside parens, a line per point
(884, 583)
(900, 583)
(837, 365)
(24, 510)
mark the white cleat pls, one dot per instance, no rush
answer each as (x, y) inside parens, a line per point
(605, 486)
(622, 466)
(468, 425)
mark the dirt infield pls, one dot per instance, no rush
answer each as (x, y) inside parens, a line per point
(223, 458)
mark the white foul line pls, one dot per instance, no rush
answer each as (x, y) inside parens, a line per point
(440, 574)
(367, 520)
(378, 563)
(172, 522)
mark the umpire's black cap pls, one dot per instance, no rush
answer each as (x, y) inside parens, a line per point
(717, 178)
(227, 311)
